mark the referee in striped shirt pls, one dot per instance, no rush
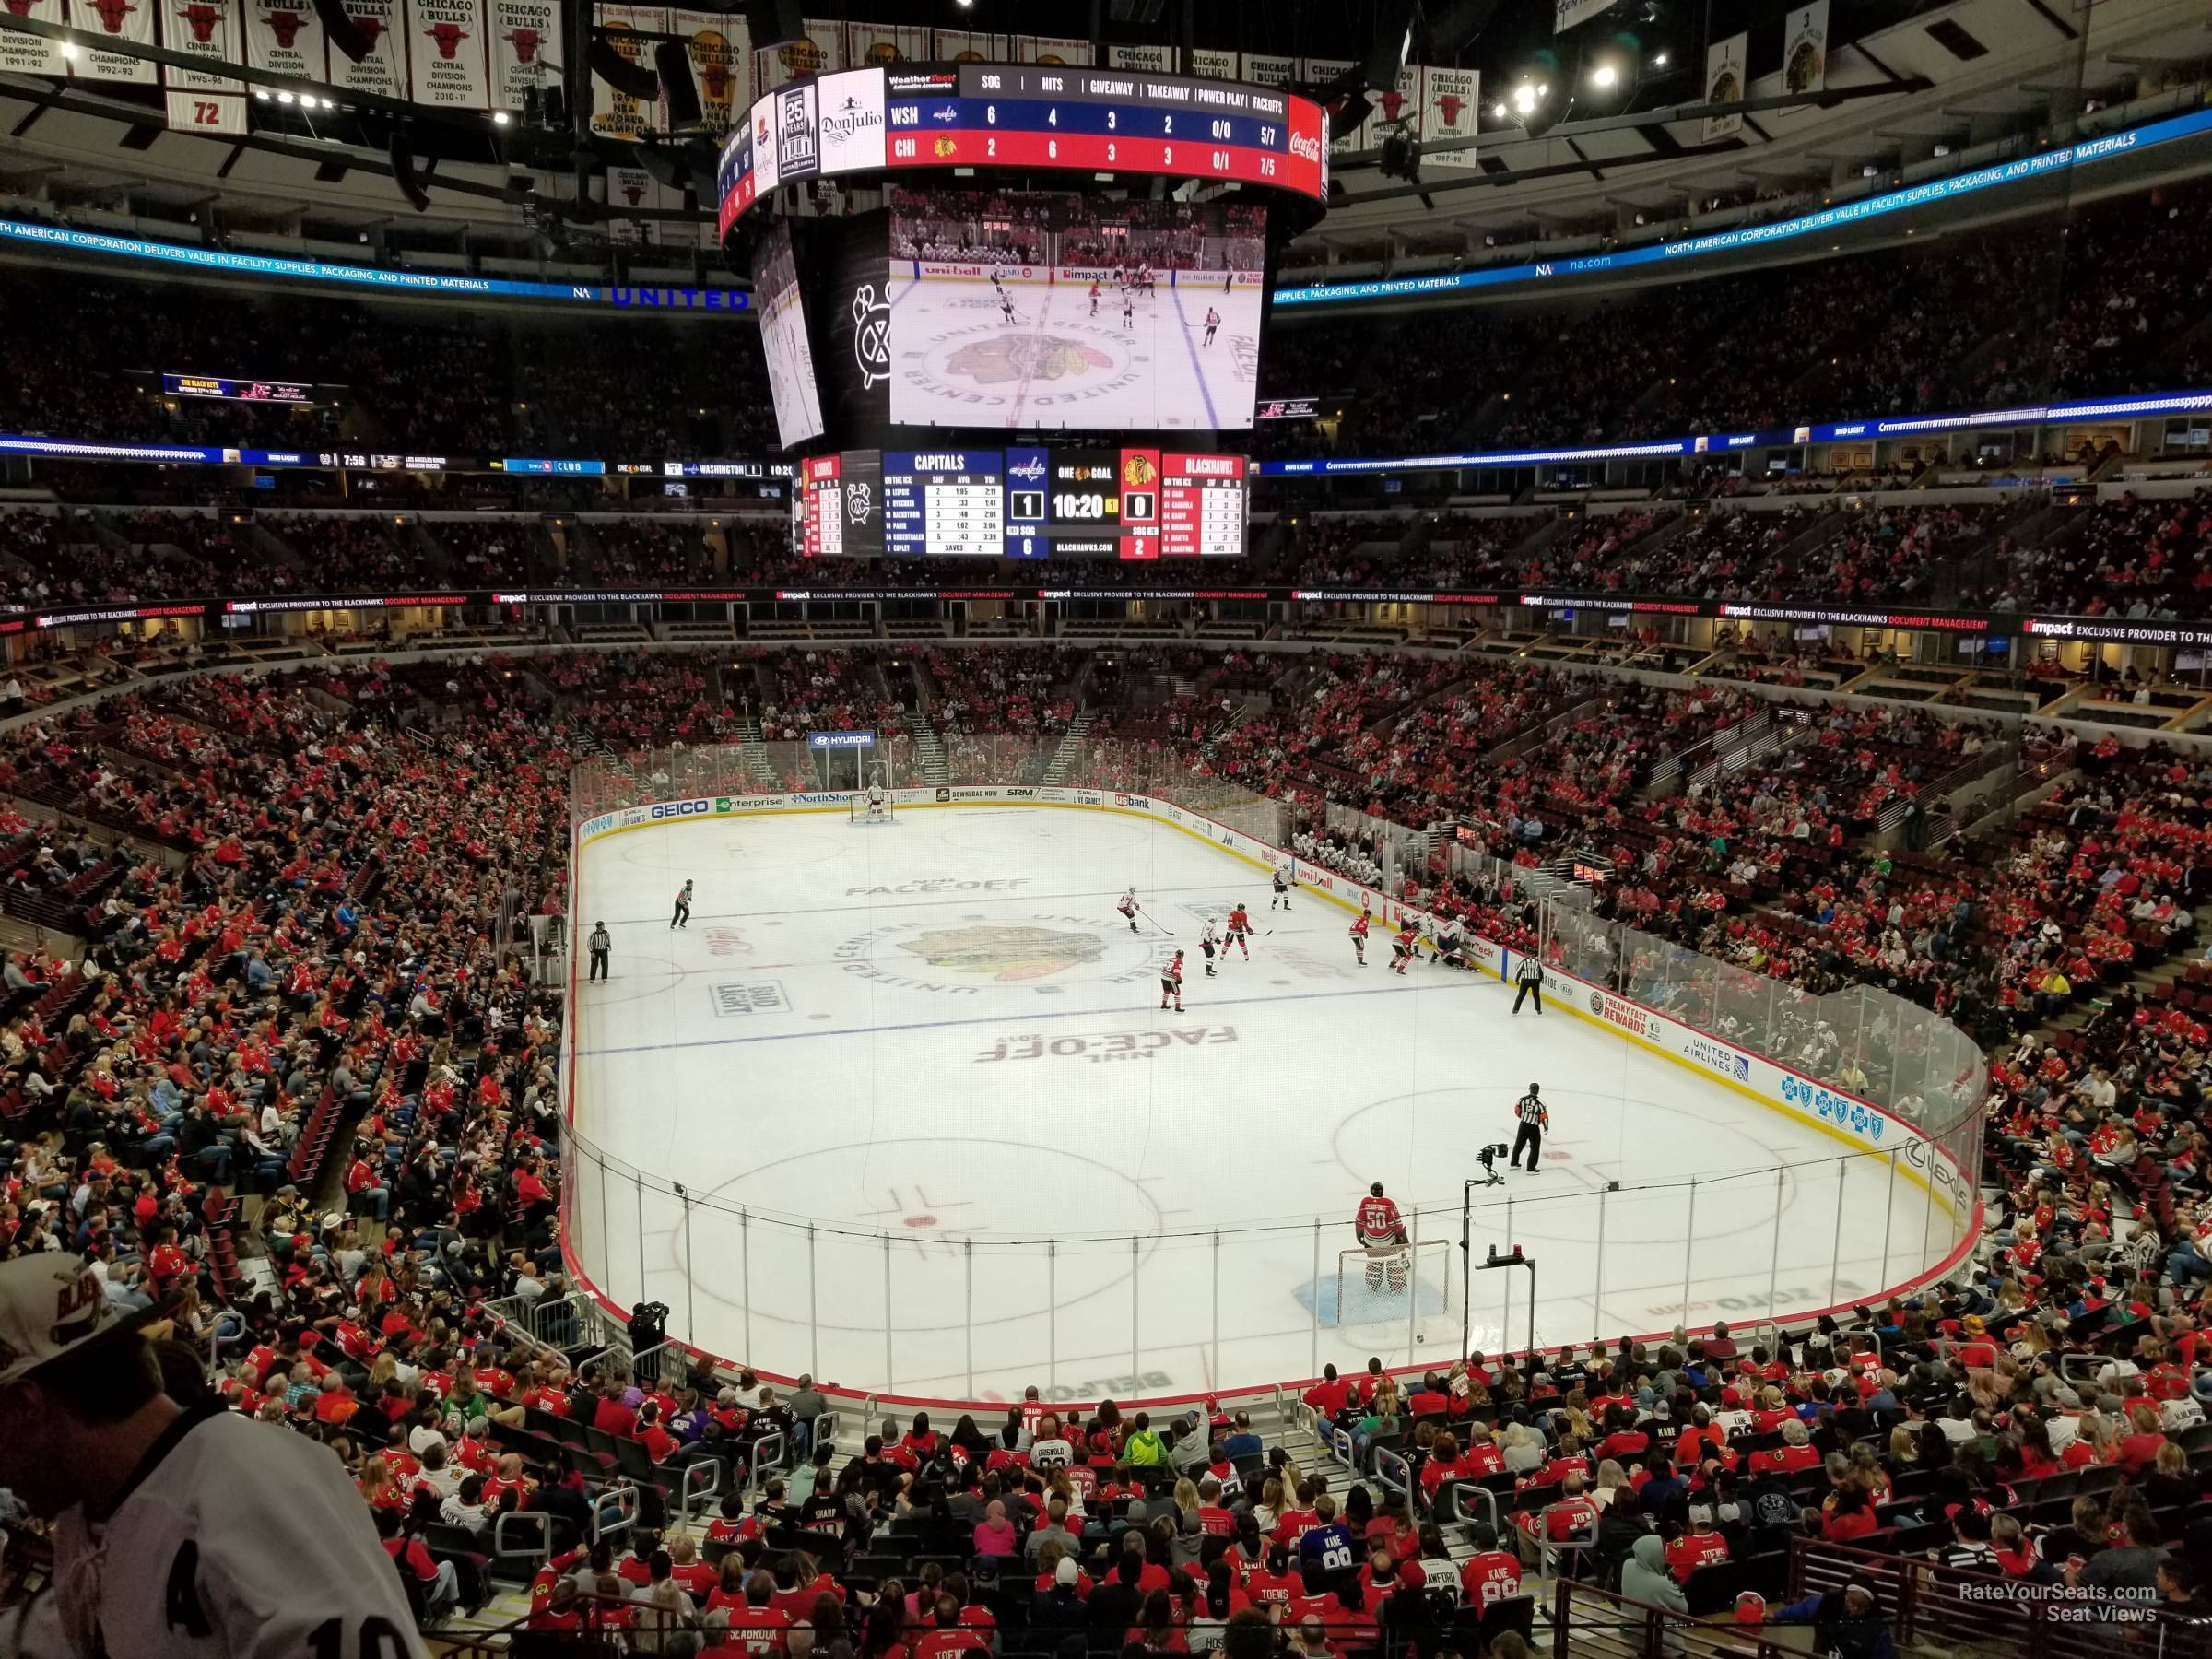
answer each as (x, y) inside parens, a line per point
(1535, 1120)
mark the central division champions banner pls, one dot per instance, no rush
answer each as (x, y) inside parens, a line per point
(120, 20)
(198, 101)
(525, 45)
(33, 55)
(385, 70)
(446, 53)
(285, 38)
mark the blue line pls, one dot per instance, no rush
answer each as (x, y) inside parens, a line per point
(932, 1025)
(1213, 422)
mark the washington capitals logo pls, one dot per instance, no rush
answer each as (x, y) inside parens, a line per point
(1023, 357)
(871, 336)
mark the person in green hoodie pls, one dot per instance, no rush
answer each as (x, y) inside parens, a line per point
(1144, 1448)
(1644, 1577)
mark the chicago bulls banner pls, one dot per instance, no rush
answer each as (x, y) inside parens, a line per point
(1212, 65)
(616, 114)
(873, 43)
(445, 53)
(1318, 70)
(197, 99)
(131, 20)
(1051, 49)
(30, 54)
(722, 55)
(1266, 69)
(384, 69)
(1450, 99)
(1146, 60)
(820, 51)
(967, 46)
(526, 48)
(285, 37)
(1400, 104)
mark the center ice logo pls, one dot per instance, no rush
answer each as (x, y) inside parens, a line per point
(1006, 953)
(1003, 357)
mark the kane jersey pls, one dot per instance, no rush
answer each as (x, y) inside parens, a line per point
(1378, 1221)
(237, 1541)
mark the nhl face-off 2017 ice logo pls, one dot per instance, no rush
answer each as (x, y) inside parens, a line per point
(871, 336)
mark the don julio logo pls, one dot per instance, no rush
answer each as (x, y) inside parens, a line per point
(871, 336)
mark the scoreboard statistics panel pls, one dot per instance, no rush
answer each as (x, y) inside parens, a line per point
(948, 504)
(1025, 116)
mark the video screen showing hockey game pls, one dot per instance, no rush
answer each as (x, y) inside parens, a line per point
(783, 338)
(1057, 311)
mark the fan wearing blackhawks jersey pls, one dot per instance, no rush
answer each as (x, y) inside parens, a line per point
(1378, 1227)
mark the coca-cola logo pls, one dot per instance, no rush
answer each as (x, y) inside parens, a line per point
(1305, 147)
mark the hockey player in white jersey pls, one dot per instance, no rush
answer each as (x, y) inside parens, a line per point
(1128, 907)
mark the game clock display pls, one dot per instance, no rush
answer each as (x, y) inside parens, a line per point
(1021, 503)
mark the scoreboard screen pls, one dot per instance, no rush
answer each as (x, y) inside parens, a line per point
(1027, 115)
(839, 505)
(946, 503)
(1202, 500)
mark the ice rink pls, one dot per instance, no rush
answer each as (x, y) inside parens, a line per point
(957, 361)
(935, 1134)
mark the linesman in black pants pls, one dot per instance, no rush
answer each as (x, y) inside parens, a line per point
(1529, 976)
(1535, 1120)
(600, 941)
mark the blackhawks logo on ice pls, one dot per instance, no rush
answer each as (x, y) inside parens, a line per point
(1006, 953)
(1003, 357)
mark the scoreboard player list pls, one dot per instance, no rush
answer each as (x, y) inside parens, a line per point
(944, 504)
(1201, 506)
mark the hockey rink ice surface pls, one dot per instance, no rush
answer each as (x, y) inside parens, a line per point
(955, 360)
(936, 1043)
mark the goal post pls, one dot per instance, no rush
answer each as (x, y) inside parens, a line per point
(860, 809)
(1426, 1283)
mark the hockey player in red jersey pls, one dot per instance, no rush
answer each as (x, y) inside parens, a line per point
(1170, 983)
(1378, 1226)
(1359, 931)
(1400, 948)
(1239, 925)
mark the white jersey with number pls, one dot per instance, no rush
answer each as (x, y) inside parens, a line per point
(239, 1540)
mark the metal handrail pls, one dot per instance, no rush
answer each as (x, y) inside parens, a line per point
(624, 1496)
(542, 1523)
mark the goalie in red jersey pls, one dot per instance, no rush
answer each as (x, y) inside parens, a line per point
(1381, 1232)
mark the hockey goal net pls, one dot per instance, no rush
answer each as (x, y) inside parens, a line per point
(1393, 1280)
(861, 810)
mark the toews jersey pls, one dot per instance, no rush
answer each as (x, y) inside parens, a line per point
(235, 1540)
(1377, 1221)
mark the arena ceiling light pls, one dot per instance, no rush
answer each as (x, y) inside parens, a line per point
(1606, 76)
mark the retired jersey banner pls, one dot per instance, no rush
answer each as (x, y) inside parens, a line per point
(1209, 64)
(446, 53)
(33, 55)
(1805, 48)
(201, 100)
(384, 69)
(131, 20)
(1450, 101)
(1321, 70)
(285, 37)
(526, 48)
(1724, 83)
(880, 43)
(616, 114)
(1145, 60)
(967, 46)
(722, 55)
(1268, 69)
(1051, 49)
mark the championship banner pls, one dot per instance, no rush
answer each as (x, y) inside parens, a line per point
(1209, 64)
(198, 101)
(1267, 69)
(384, 69)
(1318, 70)
(722, 53)
(1724, 83)
(1567, 13)
(1451, 99)
(1051, 49)
(526, 48)
(33, 55)
(445, 53)
(285, 38)
(1145, 60)
(1401, 103)
(616, 114)
(967, 46)
(879, 44)
(820, 51)
(131, 20)
(1805, 48)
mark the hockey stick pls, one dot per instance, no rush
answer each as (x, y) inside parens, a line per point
(1147, 916)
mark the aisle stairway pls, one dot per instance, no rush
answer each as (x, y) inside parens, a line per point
(1072, 744)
